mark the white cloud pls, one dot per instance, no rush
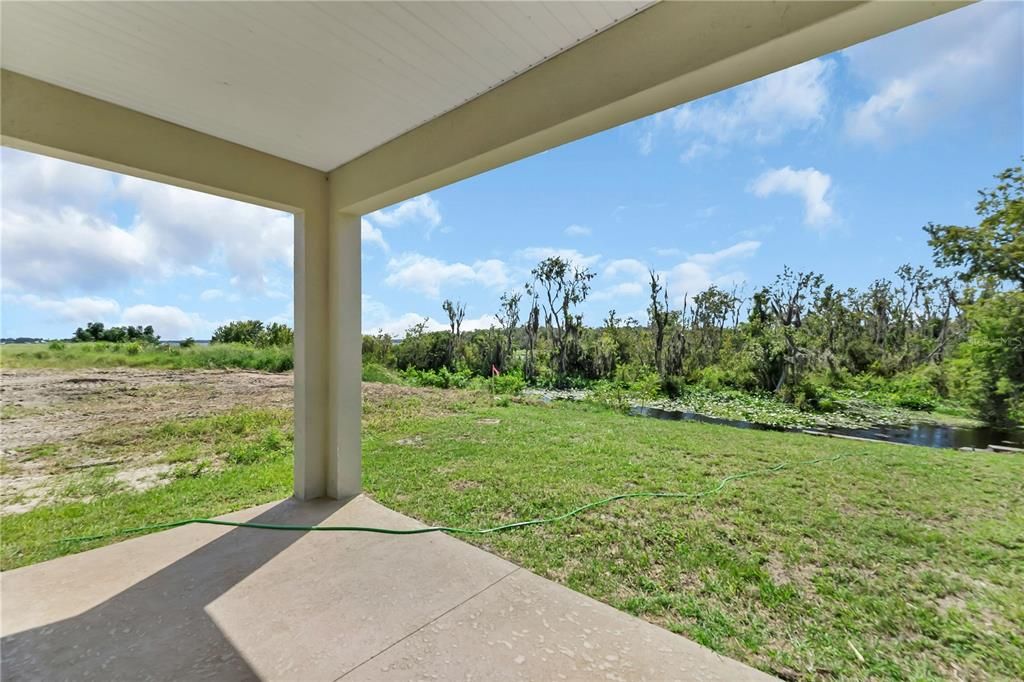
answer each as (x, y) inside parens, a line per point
(646, 142)
(377, 316)
(669, 251)
(792, 99)
(211, 295)
(77, 310)
(535, 254)
(168, 321)
(618, 291)
(60, 235)
(416, 272)
(761, 111)
(969, 59)
(701, 270)
(739, 250)
(688, 277)
(577, 231)
(218, 294)
(626, 266)
(872, 119)
(286, 317)
(32, 180)
(634, 272)
(810, 184)
(397, 326)
(371, 235)
(696, 148)
(50, 251)
(183, 229)
(421, 209)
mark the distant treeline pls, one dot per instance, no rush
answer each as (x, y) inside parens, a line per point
(97, 331)
(929, 335)
(246, 332)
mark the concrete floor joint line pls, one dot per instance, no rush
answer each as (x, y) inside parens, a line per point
(427, 624)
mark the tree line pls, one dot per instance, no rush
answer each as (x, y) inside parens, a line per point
(245, 332)
(97, 331)
(952, 330)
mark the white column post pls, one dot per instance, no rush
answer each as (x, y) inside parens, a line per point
(344, 462)
(312, 345)
(328, 353)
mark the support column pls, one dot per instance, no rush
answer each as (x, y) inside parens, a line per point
(311, 353)
(328, 353)
(344, 462)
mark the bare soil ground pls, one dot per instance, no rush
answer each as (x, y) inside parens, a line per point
(52, 420)
(52, 406)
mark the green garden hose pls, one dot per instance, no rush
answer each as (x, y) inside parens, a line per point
(463, 531)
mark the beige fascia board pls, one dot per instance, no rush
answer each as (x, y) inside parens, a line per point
(671, 53)
(44, 118)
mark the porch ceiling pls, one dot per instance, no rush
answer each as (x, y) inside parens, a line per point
(314, 83)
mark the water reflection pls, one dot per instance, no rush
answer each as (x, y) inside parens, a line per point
(928, 435)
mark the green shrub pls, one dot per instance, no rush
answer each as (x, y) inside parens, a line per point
(633, 384)
(239, 331)
(712, 377)
(276, 334)
(441, 378)
(133, 348)
(673, 386)
(548, 378)
(187, 343)
(378, 374)
(509, 383)
(425, 351)
(812, 394)
(56, 345)
(919, 389)
(254, 333)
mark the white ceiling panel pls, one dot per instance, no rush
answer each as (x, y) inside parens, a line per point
(317, 83)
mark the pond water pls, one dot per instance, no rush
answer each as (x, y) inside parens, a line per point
(928, 435)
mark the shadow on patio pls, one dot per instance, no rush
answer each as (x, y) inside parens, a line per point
(159, 627)
(199, 602)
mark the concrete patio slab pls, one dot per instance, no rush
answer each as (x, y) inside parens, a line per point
(202, 602)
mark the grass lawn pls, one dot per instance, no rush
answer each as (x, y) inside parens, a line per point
(897, 562)
(102, 354)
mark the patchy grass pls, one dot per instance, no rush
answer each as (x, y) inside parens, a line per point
(129, 459)
(911, 559)
(104, 354)
(17, 411)
(380, 374)
(45, 450)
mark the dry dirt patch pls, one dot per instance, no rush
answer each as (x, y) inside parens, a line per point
(56, 406)
(50, 418)
(47, 414)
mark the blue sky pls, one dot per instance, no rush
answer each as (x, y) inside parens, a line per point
(832, 166)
